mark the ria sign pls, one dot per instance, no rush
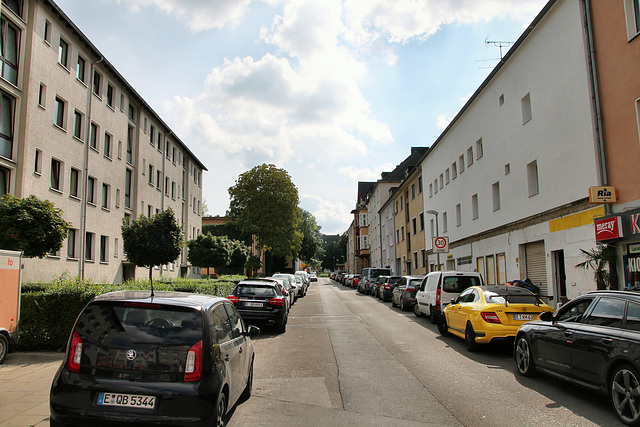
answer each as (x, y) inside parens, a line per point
(609, 228)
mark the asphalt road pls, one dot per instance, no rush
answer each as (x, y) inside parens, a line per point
(349, 359)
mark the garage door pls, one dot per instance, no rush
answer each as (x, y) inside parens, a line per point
(536, 266)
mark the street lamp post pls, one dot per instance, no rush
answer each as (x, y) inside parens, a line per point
(432, 212)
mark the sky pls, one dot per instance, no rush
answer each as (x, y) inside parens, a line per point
(332, 91)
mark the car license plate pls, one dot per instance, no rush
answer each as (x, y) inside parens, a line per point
(253, 304)
(126, 400)
(523, 316)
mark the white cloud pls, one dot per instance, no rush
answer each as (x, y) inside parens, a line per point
(328, 212)
(443, 121)
(365, 174)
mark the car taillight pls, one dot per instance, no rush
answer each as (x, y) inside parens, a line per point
(386, 286)
(490, 317)
(193, 367)
(438, 297)
(409, 289)
(234, 299)
(277, 301)
(75, 353)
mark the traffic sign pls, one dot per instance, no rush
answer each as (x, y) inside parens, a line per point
(441, 244)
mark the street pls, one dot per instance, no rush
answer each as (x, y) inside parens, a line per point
(348, 358)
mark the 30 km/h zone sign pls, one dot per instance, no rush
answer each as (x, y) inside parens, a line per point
(440, 244)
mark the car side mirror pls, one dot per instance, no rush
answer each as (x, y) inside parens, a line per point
(454, 300)
(546, 316)
(252, 331)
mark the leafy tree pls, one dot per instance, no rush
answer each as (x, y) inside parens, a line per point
(599, 260)
(264, 203)
(253, 265)
(335, 253)
(312, 239)
(239, 256)
(31, 225)
(207, 251)
(228, 229)
(152, 241)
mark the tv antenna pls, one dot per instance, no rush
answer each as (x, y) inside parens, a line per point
(497, 43)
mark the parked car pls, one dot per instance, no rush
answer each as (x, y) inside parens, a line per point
(305, 278)
(439, 287)
(313, 277)
(403, 292)
(261, 300)
(368, 274)
(484, 314)
(298, 286)
(384, 287)
(289, 291)
(348, 279)
(592, 341)
(140, 357)
(355, 280)
(376, 285)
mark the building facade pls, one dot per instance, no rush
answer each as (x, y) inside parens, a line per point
(76, 133)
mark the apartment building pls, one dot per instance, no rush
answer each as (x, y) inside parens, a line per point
(509, 177)
(615, 33)
(75, 132)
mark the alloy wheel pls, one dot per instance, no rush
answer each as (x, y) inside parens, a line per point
(625, 394)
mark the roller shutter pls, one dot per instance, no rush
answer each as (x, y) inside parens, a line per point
(536, 265)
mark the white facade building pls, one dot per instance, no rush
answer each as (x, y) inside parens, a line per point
(509, 177)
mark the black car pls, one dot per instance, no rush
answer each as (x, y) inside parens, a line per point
(592, 341)
(137, 358)
(262, 301)
(404, 294)
(384, 287)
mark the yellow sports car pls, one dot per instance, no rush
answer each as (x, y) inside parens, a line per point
(484, 313)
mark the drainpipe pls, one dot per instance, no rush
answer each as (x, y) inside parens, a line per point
(83, 222)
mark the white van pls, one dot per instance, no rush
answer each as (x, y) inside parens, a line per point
(437, 289)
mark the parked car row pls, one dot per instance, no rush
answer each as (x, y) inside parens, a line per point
(592, 341)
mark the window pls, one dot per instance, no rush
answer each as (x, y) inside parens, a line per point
(104, 249)
(77, 124)
(501, 100)
(446, 177)
(74, 183)
(152, 133)
(56, 175)
(158, 179)
(6, 125)
(632, 14)
(413, 191)
(115, 247)
(149, 211)
(469, 156)
(42, 96)
(121, 102)
(454, 170)
(107, 145)
(414, 226)
(96, 83)
(173, 190)
(132, 113)
(441, 181)
(461, 164)
(63, 53)
(72, 242)
(93, 136)
(458, 216)
(398, 236)
(435, 185)
(430, 190)
(5, 175)
(432, 227)
(633, 316)
(445, 227)
(150, 174)
(607, 312)
(9, 52)
(532, 178)
(127, 189)
(166, 185)
(106, 195)
(474, 206)
(110, 92)
(507, 169)
(420, 185)
(59, 118)
(479, 151)
(415, 259)
(80, 71)
(119, 150)
(37, 168)
(47, 31)
(130, 145)
(88, 248)
(91, 190)
(421, 220)
(402, 232)
(526, 108)
(423, 258)
(495, 191)
(117, 197)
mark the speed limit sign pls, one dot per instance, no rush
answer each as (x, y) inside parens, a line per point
(441, 244)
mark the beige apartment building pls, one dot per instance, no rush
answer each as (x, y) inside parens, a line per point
(409, 222)
(73, 131)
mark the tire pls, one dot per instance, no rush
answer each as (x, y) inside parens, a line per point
(622, 386)
(282, 327)
(442, 326)
(433, 314)
(246, 393)
(524, 357)
(403, 306)
(416, 310)
(4, 347)
(470, 338)
(221, 410)
(393, 302)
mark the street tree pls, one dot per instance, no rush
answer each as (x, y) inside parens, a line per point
(35, 227)
(208, 251)
(152, 241)
(264, 203)
(311, 238)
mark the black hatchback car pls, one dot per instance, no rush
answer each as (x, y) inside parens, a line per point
(261, 300)
(169, 359)
(592, 341)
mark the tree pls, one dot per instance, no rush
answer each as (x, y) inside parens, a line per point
(31, 225)
(312, 239)
(152, 241)
(599, 260)
(207, 251)
(264, 203)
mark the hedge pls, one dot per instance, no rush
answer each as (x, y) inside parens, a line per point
(49, 310)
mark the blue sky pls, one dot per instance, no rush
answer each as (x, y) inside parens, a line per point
(333, 91)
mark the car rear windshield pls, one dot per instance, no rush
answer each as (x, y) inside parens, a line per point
(160, 337)
(379, 272)
(501, 298)
(255, 291)
(457, 284)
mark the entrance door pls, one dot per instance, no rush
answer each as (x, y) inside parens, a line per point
(559, 276)
(536, 266)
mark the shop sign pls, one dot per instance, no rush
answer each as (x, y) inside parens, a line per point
(632, 266)
(464, 260)
(609, 228)
(602, 194)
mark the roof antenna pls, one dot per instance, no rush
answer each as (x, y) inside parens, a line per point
(497, 43)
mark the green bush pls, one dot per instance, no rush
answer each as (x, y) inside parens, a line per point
(49, 310)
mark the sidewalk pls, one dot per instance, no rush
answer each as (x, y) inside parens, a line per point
(25, 380)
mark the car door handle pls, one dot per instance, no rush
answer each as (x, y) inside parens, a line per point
(226, 357)
(240, 350)
(607, 341)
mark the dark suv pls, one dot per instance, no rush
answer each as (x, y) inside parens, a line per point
(139, 358)
(261, 300)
